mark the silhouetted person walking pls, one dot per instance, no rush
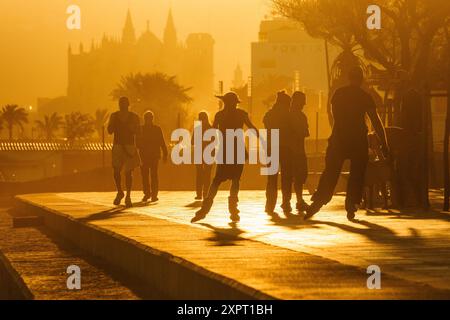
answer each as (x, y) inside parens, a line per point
(151, 143)
(124, 124)
(231, 118)
(278, 118)
(202, 171)
(296, 165)
(348, 140)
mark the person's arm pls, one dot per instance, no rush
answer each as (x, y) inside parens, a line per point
(163, 145)
(140, 139)
(306, 126)
(111, 124)
(215, 124)
(250, 124)
(136, 126)
(379, 130)
(137, 131)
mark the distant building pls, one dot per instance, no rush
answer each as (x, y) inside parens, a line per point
(238, 80)
(286, 57)
(94, 73)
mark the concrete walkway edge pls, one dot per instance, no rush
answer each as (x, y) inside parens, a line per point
(171, 275)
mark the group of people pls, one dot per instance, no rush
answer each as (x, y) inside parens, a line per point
(135, 145)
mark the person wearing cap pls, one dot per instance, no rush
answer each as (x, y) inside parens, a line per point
(230, 118)
(124, 125)
(350, 105)
(151, 143)
(277, 118)
(203, 170)
(296, 167)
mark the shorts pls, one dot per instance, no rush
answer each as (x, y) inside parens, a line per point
(125, 157)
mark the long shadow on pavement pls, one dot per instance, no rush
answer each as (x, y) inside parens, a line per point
(411, 214)
(107, 214)
(225, 236)
(375, 232)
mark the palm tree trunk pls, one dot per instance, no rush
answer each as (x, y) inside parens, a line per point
(426, 132)
(327, 62)
(446, 156)
(10, 131)
(447, 134)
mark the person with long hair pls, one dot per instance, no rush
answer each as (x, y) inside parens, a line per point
(203, 170)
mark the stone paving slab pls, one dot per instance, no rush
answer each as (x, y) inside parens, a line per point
(286, 259)
(405, 244)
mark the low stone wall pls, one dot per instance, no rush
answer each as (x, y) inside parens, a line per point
(174, 277)
(11, 284)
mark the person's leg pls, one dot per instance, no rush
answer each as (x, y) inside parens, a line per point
(208, 201)
(333, 165)
(206, 179)
(129, 184)
(355, 186)
(145, 182)
(155, 180)
(286, 163)
(214, 188)
(233, 200)
(300, 171)
(199, 181)
(117, 164)
(118, 182)
(271, 193)
(118, 179)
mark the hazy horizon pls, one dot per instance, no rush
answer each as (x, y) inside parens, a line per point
(33, 57)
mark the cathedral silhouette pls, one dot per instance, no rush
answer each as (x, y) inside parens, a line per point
(93, 74)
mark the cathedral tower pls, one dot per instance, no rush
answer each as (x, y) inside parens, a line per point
(128, 33)
(170, 33)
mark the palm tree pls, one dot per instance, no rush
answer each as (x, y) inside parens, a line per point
(327, 19)
(157, 91)
(50, 125)
(13, 116)
(78, 126)
(101, 117)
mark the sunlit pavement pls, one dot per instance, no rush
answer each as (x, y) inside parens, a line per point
(411, 245)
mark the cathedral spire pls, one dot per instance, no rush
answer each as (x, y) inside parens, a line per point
(170, 33)
(128, 34)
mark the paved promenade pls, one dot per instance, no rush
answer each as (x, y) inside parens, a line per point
(284, 258)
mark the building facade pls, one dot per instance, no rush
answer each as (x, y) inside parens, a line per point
(94, 72)
(286, 57)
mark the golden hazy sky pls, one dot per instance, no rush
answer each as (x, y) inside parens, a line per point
(35, 38)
